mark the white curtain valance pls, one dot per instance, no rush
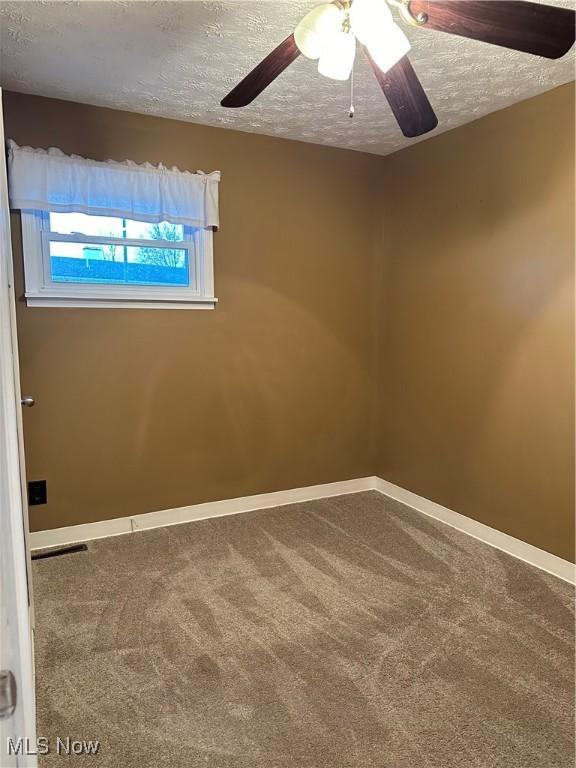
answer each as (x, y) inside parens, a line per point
(49, 180)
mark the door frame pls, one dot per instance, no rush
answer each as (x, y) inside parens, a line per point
(16, 644)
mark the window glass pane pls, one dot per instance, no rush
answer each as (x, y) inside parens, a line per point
(108, 226)
(118, 264)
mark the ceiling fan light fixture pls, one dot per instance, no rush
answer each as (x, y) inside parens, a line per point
(314, 33)
(337, 58)
(535, 28)
(388, 49)
(369, 18)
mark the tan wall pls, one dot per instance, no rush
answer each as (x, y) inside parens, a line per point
(476, 402)
(139, 410)
(450, 353)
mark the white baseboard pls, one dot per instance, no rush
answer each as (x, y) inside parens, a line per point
(104, 528)
(120, 525)
(539, 558)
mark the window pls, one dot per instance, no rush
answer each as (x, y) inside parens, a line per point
(113, 234)
(113, 251)
(76, 259)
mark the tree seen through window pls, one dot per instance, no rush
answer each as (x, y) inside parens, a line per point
(163, 257)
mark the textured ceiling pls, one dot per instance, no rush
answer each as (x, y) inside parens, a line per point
(178, 59)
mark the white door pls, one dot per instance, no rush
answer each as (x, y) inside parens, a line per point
(17, 711)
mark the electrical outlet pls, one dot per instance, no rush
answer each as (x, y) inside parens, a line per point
(37, 493)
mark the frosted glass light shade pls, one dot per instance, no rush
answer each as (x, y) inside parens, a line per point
(317, 28)
(337, 58)
(387, 46)
(369, 18)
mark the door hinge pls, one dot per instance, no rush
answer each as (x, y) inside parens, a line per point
(8, 694)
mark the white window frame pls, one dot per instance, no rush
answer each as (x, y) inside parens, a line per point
(42, 291)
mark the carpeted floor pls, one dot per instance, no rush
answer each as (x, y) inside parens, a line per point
(346, 632)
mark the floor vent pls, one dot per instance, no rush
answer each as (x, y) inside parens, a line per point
(61, 551)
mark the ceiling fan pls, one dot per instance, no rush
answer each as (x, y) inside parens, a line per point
(329, 33)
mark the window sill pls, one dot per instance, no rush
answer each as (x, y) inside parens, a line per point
(36, 300)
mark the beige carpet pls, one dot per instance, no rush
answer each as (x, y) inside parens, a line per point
(346, 632)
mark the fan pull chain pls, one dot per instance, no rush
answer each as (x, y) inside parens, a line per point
(351, 110)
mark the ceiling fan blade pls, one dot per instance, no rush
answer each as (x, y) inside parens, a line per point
(407, 98)
(543, 30)
(263, 74)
